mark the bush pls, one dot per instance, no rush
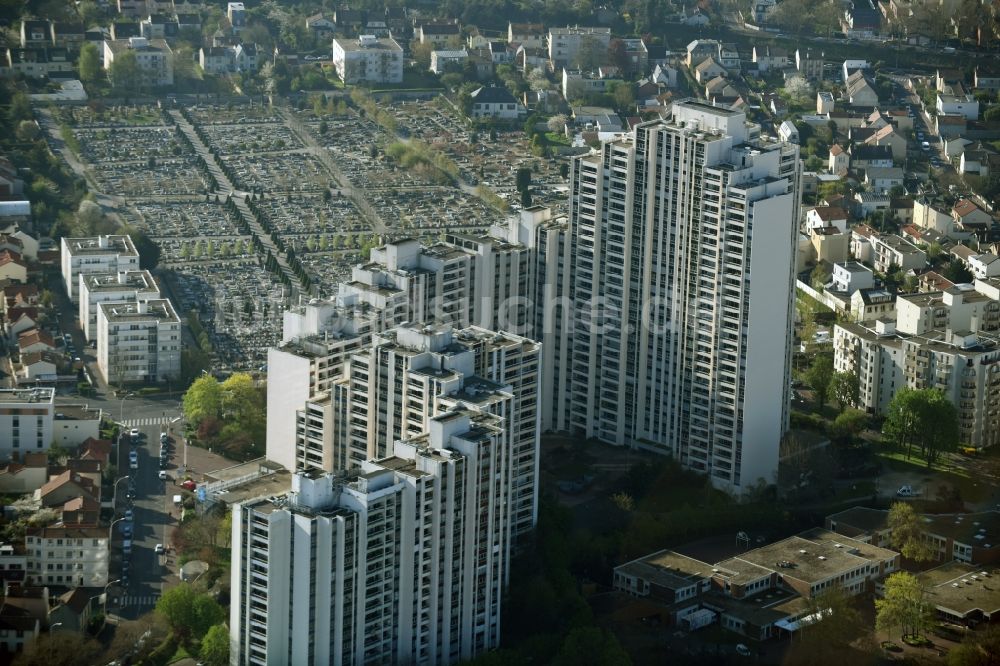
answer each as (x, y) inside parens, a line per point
(163, 652)
(808, 421)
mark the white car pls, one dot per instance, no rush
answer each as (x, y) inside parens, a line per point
(159, 548)
(134, 433)
(163, 475)
(133, 460)
(742, 650)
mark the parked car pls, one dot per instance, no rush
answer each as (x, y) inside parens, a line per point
(742, 650)
(159, 548)
(163, 475)
(163, 438)
(905, 491)
(128, 515)
(133, 460)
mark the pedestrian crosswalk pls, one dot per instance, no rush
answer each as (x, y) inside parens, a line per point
(139, 600)
(149, 421)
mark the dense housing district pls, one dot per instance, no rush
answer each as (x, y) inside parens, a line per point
(409, 333)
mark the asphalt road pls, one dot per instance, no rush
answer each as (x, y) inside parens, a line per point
(152, 523)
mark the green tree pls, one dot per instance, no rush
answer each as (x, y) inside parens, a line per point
(89, 65)
(125, 73)
(922, 418)
(978, 649)
(846, 389)
(907, 533)
(189, 614)
(957, 272)
(523, 179)
(203, 399)
(838, 626)
(849, 424)
(820, 275)
(63, 647)
(214, 649)
(904, 606)
(244, 402)
(149, 251)
(585, 646)
(819, 376)
(206, 613)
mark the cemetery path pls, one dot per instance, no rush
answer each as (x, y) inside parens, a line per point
(347, 188)
(227, 188)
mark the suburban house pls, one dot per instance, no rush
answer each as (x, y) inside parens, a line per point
(529, 35)
(496, 102)
(966, 106)
(769, 57)
(12, 267)
(887, 136)
(708, 69)
(827, 216)
(35, 340)
(867, 156)
(861, 90)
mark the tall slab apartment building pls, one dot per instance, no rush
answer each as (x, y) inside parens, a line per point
(683, 243)
(498, 282)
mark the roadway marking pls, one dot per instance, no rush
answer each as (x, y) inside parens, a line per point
(153, 420)
(136, 601)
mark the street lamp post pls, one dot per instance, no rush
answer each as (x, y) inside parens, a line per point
(114, 493)
(111, 531)
(106, 597)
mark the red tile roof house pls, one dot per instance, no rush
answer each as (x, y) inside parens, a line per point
(35, 340)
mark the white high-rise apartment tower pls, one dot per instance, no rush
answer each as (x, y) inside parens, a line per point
(684, 243)
(404, 564)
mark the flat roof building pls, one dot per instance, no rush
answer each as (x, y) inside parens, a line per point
(98, 254)
(138, 342)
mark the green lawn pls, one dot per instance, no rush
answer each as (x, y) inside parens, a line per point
(555, 138)
(972, 490)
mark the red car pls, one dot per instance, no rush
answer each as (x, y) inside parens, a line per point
(189, 485)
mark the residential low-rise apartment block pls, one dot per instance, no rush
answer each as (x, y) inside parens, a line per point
(67, 556)
(948, 340)
(138, 342)
(368, 58)
(119, 287)
(100, 254)
(25, 421)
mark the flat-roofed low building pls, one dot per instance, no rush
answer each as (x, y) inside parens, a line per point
(138, 342)
(25, 421)
(962, 593)
(966, 537)
(758, 592)
(74, 424)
